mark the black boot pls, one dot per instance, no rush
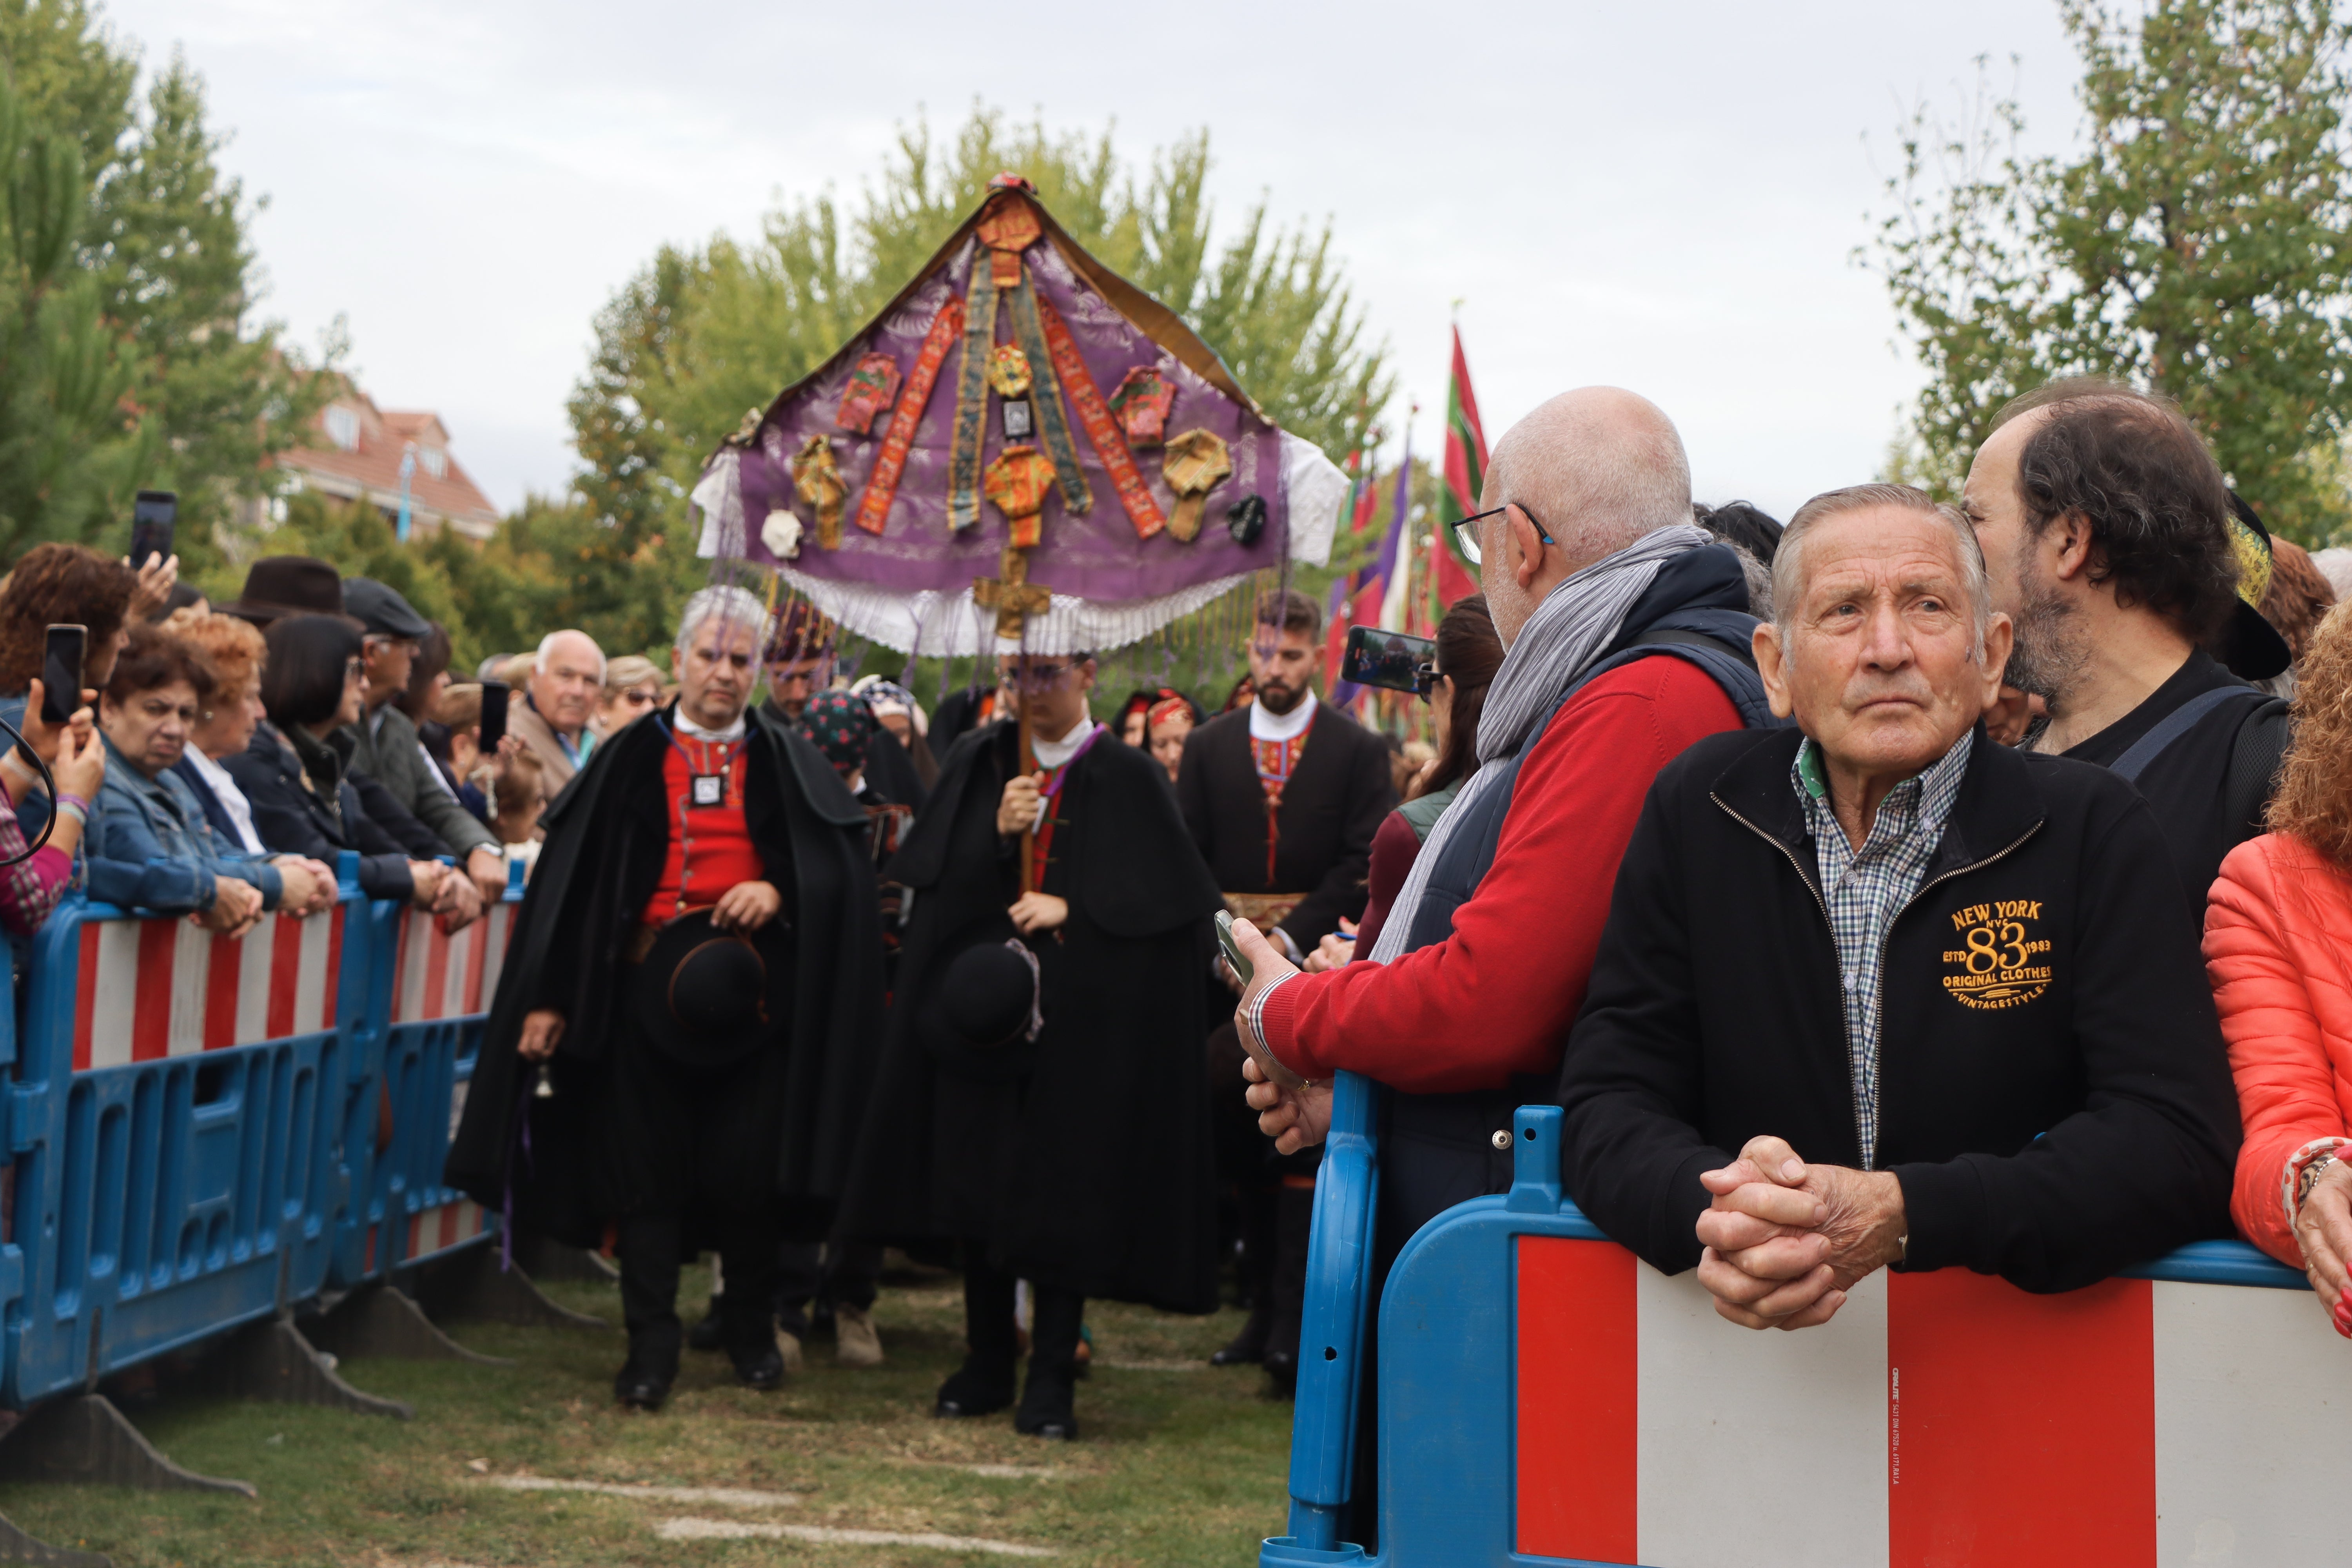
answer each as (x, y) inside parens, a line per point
(645, 1379)
(1295, 1222)
(1259, 1224)
(984, 1383)
(1048, 1405)
(750, 1250)
(649, 1269)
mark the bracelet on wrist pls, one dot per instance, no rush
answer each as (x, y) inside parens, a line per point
(79, 814)
(2304, 1169)
(65, 797)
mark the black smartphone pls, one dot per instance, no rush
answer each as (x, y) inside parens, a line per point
(1388, 659)
(154, 516)
(61, 656)
(494, 715)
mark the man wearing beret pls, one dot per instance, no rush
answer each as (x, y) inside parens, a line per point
(697, 966)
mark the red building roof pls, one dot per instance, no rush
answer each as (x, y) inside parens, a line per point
(359, 455)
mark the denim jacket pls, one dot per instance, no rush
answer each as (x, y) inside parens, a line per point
(148, 846)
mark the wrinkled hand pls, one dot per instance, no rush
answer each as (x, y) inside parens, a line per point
(153, 590)
(457, 901)
(1295, 1118)
(2011, 714)
(487, 868)
(2322, 1228)
(235, 910)
(1336, 951)
(746, 907)
(425, 878)
(1035, 911)
(1017, 811)
(78, 760)
(1785, 1241)
(299, 894)
(543, 1028)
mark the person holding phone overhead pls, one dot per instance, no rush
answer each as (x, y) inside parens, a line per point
(1038, 1099)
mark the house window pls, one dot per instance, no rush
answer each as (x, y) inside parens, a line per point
(435, 461)
(343, 427)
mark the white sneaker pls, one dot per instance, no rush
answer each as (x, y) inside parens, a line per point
(855, 1342)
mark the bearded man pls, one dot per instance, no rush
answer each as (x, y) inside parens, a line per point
(697, 966)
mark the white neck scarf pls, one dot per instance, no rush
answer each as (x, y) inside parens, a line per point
(1053, 753)
(1266, 725)
(687, 726)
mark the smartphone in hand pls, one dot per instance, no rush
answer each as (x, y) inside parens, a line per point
(154, 517)
(1266, 1064)
(494, 715)
(1388, 659)
(61, 661)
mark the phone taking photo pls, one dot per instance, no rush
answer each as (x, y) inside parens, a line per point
(494, 715)
(62, 648)
(1390, 661)
(154, 517)
(1273, 1070)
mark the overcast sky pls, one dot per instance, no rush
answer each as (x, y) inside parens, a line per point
(1663, 197)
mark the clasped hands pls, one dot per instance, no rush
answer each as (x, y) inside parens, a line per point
(1785, 1240)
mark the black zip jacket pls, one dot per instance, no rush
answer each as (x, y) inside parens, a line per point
(2053, 1093)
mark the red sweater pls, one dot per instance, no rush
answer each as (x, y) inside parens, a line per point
(1497, 997)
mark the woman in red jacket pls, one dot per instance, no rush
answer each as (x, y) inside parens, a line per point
(2278, 949)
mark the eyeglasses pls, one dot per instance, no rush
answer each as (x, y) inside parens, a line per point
(354, 669)
(639, 698)
(1466, 529)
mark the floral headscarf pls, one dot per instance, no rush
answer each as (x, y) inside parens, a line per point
(840, 725)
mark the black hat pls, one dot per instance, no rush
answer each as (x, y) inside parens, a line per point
(701, 994)
(276, 586)
(383, 611)
(2251, 646)
(988, 995)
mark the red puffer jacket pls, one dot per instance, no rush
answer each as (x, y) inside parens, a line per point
(2278, 949)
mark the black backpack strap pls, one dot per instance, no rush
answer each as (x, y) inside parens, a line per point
(1678, 636)
(2174, 725)
(2255, 755)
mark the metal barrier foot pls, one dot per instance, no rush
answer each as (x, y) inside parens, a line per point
(376, 1320)
(15, 1546)
(544, 1258)
(85, 1439)
(272, 1360)
(471, 1285)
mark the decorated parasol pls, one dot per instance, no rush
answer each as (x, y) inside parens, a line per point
(1022, 452)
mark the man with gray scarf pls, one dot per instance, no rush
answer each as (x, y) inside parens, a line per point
(1627, 634)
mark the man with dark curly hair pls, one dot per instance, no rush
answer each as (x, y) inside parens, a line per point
(2132, 573)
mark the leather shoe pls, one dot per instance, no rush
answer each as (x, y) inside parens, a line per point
(975, 1391)
(1047, 1410)
(759, 1366)
(641, 1387)
(1249, 1345)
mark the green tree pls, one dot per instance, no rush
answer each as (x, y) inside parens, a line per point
(2199, 245)
(212, 392)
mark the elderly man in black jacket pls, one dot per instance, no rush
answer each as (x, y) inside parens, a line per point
(1878, 992)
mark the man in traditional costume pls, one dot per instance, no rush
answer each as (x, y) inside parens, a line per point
(1283, 797)
(696, 968)
(1038, 1098)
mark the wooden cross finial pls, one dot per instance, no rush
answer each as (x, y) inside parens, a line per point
(1011, 594)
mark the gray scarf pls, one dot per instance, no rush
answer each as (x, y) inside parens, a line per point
(1576, 621)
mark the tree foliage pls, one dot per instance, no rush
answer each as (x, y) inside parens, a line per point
(2197, 244)
(148, 369)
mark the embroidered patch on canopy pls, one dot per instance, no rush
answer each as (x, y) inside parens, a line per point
(871, 386)
(818, 480)
(1196, 462)
(1017, 482)
(1008, 370)
(890, 463)
(1141, 402)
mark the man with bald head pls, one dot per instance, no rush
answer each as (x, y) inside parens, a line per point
(567, 679)
(1627, 634)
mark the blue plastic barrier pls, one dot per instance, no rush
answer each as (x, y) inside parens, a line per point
(410, 1083)
(171, 1135)
(1544, 1398)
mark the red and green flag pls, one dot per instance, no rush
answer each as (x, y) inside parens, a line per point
(1451, 576)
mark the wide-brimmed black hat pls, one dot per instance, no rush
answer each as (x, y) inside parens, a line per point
(2251, 646)
(276, 586)
(982, 1015)
(702, 994)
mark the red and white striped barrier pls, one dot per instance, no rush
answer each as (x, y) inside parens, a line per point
(155, 988)
(430, 1231)
(441, 976)
(1939, 1419)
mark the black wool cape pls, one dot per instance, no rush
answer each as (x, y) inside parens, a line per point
(608, 837)
(1084, 1163)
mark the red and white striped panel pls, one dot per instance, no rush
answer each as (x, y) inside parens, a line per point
(1940, 1420)
(444, 1226)
(441, 976)
(157, 988)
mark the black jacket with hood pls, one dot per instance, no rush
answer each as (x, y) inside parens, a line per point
(2054, 1093)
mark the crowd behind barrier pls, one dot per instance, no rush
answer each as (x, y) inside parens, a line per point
(207, 1131)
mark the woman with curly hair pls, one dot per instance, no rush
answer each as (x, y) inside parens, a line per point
(2278, 951)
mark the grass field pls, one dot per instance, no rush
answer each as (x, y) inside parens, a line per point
(1178, 1463)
